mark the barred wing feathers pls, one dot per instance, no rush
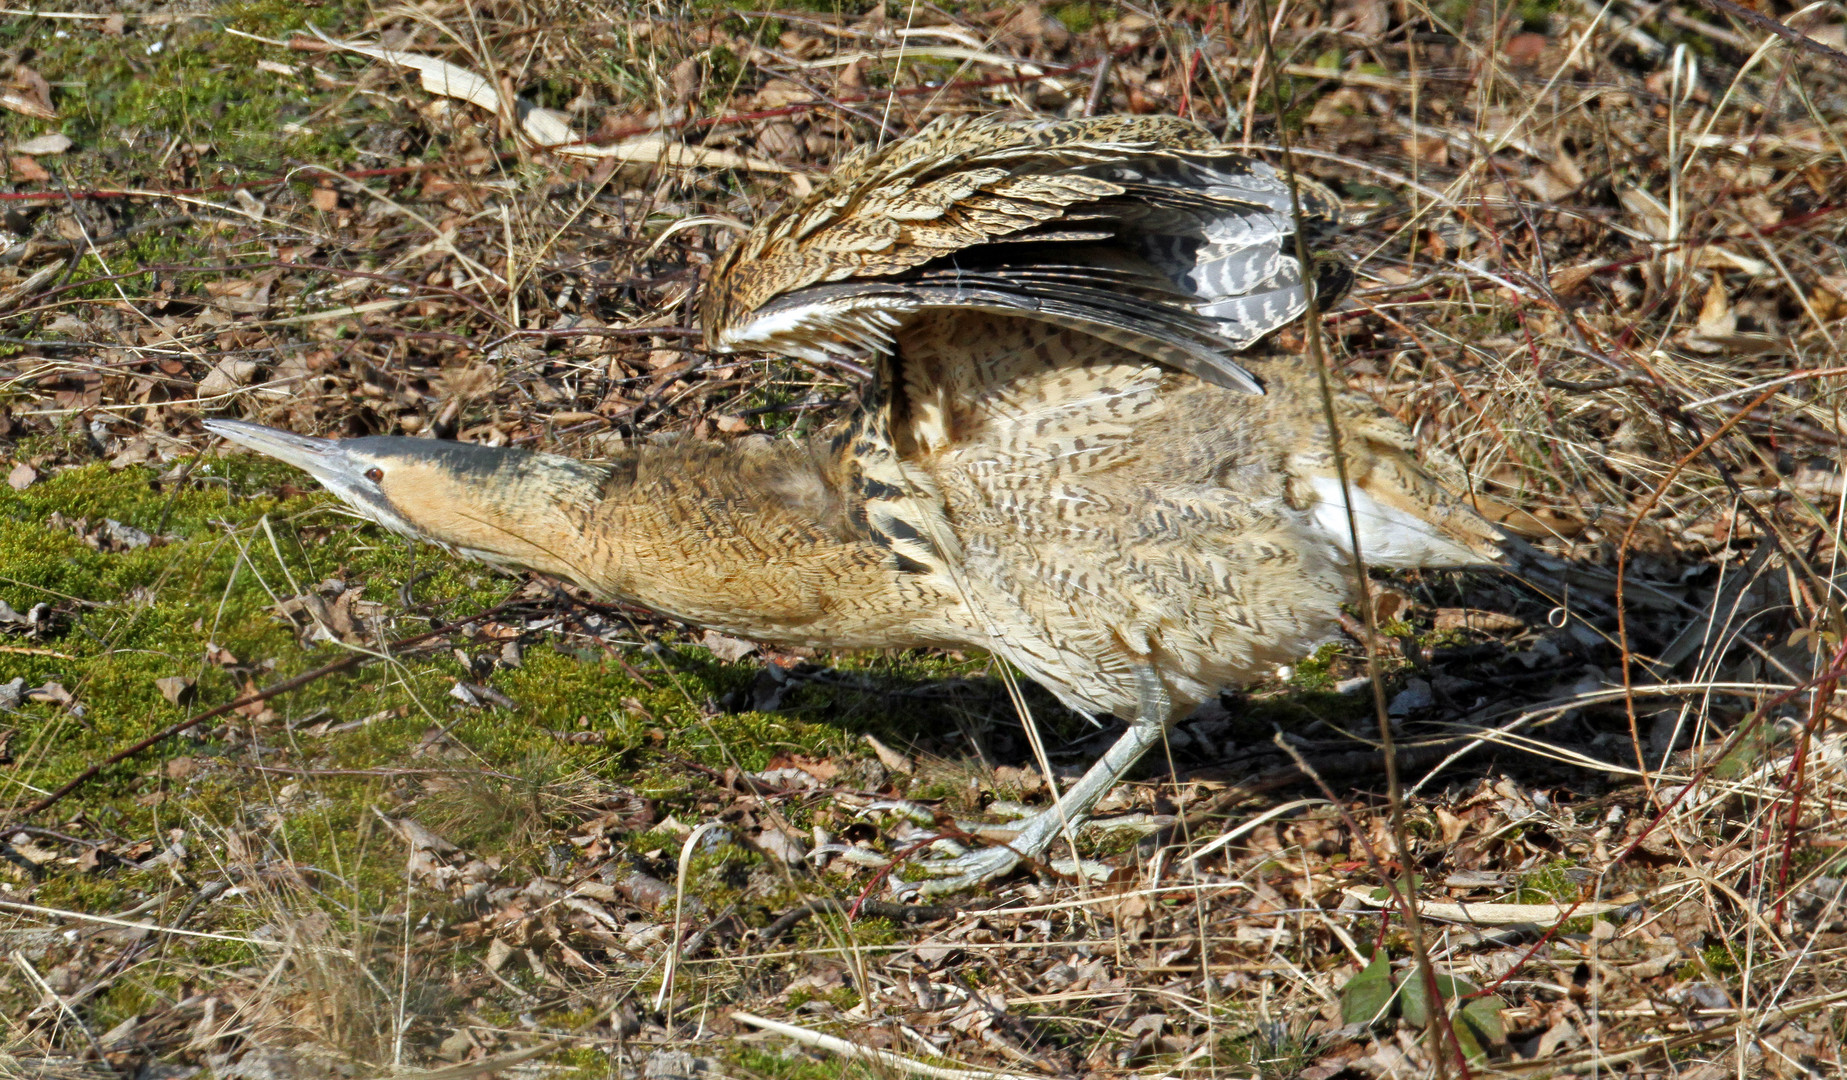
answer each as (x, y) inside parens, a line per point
(1143, 231)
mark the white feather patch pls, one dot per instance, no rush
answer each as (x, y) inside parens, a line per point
(765, 329)
(1389, 537)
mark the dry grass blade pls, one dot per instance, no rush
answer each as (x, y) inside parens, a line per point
(854, 1052)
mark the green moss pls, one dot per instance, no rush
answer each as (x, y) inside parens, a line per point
(724, 71)
(128, 100)
(753, 1061)
(580, 1062)
(1536, 15)
(85, 893)
(1719, 960)
(137, 994)
(1551, 884)
(1083, 15)
(1316, 672)
(1282, 100)
(829, 930)
(721, 866)
(1269, 1054)
(128, 618)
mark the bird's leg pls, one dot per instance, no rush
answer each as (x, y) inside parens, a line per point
(1038, 832)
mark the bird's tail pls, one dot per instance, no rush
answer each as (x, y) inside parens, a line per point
(1405, 517)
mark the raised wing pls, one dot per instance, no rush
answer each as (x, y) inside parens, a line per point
(1143, 231)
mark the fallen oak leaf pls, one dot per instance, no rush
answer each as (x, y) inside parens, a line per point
(177, 689)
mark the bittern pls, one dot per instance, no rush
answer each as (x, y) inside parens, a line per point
(1058, 460)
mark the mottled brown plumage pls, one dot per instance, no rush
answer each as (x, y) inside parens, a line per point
(1143, 231)
(1059, 462)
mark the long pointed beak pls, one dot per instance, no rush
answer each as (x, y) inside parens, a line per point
(320, 457)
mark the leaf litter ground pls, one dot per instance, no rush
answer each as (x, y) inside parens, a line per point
(1600, 277)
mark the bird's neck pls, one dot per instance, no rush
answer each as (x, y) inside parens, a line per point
(753, 537)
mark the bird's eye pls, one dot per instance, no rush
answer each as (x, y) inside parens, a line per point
(375, 474)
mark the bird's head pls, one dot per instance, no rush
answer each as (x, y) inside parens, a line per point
(503, 506)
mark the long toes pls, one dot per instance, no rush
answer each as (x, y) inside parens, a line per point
(963, 872)
(848, 853)
(916, 812)
(1088, 869)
